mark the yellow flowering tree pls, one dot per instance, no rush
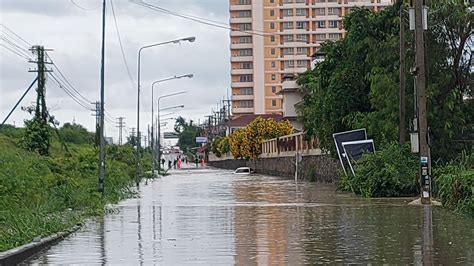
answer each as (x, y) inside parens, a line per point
(247, 142)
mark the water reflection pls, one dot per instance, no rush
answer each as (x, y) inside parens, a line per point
(212, 217)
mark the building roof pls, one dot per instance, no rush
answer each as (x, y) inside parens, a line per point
(243, 120)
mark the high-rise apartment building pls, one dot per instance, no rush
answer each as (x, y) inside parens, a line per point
(273, 38)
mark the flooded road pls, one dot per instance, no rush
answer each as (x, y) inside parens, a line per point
(212, 217)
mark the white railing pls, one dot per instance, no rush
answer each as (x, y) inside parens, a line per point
(290, 144)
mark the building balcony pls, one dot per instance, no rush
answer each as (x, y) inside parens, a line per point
(241, 97)
(236, 33)
(241, 46)
(240, 7)
(238, 84)
(240, 71)
(241, 59)
(240, 20)
(242, 110)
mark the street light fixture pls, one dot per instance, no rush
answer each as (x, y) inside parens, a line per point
(153, 164)
(158, 122)
(137, 161)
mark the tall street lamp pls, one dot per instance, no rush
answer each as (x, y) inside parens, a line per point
(153, 163)
(158, 122)
(137, 161)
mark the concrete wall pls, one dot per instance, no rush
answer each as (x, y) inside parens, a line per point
(323, 167)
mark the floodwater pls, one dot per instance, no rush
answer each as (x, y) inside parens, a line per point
(212, 217)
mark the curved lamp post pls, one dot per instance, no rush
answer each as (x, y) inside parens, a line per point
(137, 161)
(153, 157)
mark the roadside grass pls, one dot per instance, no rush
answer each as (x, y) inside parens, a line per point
(42, 195)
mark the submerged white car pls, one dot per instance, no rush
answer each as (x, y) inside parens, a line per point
(243, 171)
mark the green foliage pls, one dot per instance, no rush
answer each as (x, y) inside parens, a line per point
(389, 172)
(357, 83)
(454, 184)
(220, 146)
(75, 133)
(187, 133)
(37, 136)
(41, 195)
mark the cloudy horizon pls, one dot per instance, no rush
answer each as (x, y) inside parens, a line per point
(73, 30)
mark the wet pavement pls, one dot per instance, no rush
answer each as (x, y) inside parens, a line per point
(212, 217)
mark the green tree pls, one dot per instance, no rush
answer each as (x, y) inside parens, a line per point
(187, 133)
(75, 133)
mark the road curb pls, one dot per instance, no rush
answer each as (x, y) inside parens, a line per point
(19, 254)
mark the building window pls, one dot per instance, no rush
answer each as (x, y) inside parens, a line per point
(288, 51)
(273, 64)
(321, 36)
(246, 104)
(288, 38)
(272, 38)
(273, 51)
(246, 78)
(274, 103)
(300, 1)
(288, 25)
(301, 12)
(289, 64)
(302, 50)
(333, 24)
(244, 2)
(246, 91)
(245, 14)
(274, 89)
(245, 52)
(273, 77)
(246, 65)
(301, 38)
(272, 25)
(333, 11)
(245, 39)
(272, 13)
(302, 63)
(301, 25)
(334, 36)
(287, 12)
(244, 26)
(320, 11)
(321, 24)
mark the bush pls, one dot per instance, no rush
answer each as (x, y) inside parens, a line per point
(454, 184)
(390, 172)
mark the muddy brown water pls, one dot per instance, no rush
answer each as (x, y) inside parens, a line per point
(212, 217)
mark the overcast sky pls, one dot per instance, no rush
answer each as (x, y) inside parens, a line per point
(74, 34)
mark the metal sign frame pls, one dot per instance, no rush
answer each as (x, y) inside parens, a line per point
(344, 144)
(337, 146)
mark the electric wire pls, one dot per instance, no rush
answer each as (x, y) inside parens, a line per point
(121, 44)
(15, 34)
(68, 92)
(13, 51)
(169, 12)
(13, 44)
(84, 8)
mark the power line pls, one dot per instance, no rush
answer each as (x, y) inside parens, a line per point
(13, 44)
(68, 92)
(14, 33)
(84, 8)
(121, 44)
(202, 21)
(13, 51)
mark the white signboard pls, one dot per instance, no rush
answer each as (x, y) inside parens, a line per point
(201, 139)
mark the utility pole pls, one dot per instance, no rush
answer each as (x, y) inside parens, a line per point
(401, 126)
(102, 99)
(120, 125)
(96, 113)
(425, 171)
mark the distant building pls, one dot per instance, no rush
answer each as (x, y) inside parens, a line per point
(273, 38)
(109, 140)
(243, 120)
